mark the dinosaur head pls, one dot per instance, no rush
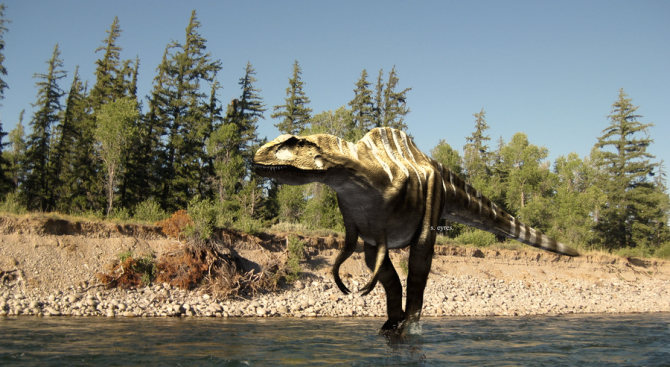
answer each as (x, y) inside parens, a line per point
(296, 160)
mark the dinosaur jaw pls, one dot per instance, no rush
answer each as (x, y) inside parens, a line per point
(288, 174)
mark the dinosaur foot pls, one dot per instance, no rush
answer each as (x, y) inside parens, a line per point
(393, 324)
(393, 331)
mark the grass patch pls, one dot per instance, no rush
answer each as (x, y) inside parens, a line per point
(302, 230)
(477, 238)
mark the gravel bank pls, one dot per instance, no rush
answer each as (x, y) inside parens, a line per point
(445, 296)
(53, 264)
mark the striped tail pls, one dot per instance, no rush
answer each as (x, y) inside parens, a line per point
(464, 204)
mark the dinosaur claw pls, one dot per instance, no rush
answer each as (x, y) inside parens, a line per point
(369, 287)
(343, 288)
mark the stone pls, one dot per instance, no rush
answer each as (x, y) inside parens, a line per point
(52, 312)
(282, 309)
(298, 285)
(128, 314)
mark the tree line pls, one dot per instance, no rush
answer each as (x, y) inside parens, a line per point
(100, 149)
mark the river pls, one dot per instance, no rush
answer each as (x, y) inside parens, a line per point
(586, 340)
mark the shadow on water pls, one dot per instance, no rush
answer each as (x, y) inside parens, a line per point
(566, 340)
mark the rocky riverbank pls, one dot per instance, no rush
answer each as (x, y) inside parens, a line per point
(445, 296)
(49, 270)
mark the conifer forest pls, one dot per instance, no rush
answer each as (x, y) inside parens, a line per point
(94, 148)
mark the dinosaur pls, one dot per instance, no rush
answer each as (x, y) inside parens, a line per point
(391, 195)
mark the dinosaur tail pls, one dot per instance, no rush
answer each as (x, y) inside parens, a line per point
(464, 204)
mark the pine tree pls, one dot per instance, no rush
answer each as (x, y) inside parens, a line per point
(66, 134)
(110, 83)
(475, 152)
(394, 108)
(224, 148)
(295, 114)
(5, 166)
(3, 29)
(631, 213)
(661, 232)
(362, 107)
(184, 108)
(251, 109)
(6, 182)
(78, 170)
(83, 188)
(16, 154)
(377, 109)
(151, 133)
(40, 178)
(113, 81)
(132, 85)
(132, 188)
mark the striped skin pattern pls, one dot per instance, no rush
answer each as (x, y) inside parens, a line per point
(391, 196)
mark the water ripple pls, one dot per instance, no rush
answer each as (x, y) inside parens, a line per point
(579, 340)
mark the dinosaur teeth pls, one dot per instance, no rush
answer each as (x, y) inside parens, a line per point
(270, 168)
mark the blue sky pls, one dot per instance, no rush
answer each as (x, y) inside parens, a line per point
(550, 69)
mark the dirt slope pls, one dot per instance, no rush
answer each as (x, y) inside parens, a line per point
(58, 254)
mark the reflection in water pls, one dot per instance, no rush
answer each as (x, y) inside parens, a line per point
(567, 340)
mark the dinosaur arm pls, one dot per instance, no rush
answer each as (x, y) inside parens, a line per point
(351, 238)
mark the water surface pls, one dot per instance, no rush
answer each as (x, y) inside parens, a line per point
(586, 340)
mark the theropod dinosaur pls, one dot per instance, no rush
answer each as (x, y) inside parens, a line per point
(391, 196)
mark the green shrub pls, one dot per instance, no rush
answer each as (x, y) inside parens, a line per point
(249, 225)
(663, 252)
(203, 213)
(130, 271)
(120, 214)
(123, 256)
(296, 249)
(477, 238)
(91, 214)
(149, 211)
(11, 204)
(640, 251)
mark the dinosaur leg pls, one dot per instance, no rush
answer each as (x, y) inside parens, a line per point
(420, 260)
(391, 282)
(421, 250)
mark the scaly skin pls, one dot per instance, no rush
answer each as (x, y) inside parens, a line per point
(391, 195)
